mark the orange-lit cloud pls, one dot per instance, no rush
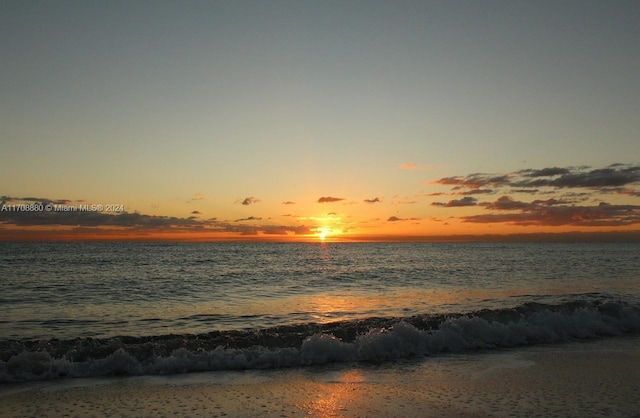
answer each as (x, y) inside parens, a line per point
(627, 191)
(559, 207)
(60, 222)
(554, 199)
(408, 166)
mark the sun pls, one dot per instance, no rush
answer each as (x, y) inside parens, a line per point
(322, 234)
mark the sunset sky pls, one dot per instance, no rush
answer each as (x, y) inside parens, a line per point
(281, 120)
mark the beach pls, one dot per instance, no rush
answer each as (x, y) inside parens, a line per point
(598, 377)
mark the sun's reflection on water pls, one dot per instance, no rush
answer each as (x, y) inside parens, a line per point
(334, 397)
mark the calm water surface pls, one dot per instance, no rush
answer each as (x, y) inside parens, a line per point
(68, 290)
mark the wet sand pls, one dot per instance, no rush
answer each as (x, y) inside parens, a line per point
(593, 378)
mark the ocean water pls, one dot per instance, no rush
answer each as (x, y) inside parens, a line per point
(94, 309)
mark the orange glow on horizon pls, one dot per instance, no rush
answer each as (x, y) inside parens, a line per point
(384, 233)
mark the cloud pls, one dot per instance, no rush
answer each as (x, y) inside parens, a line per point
(284, 230)
(528, 191)
(612, 176)
(606, 180)
(196, 212)
(429, 194)
(196, 197)
(476, 191)
(250, 200)
(566, 189)
(603, 214)
(88, 218)
(374, 200)
(396, 219)
(545, 172)
(474, 181)
(250, 218)
(288, 202)
(465, 201)
(29, 223)
(8, 199)
(555, 212)
(253, 230)
(329, 199)
(506, 203)
(628, 192)
(408, 166)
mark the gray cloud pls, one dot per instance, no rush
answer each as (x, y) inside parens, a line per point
(87, 218)
(249, 200)
(103, 223)
(545, 172)
(578, 185)
(8, 200)
(615, 175)
(474, 181)
(250, 218)
(598, 178)
(604, 179)
(465, 201)
(329, 199)
(476, 191)
(603, 214)
(396, 219)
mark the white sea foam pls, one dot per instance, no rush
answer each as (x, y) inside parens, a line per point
(534, 324)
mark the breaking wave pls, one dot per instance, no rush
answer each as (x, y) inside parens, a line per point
(368, 340)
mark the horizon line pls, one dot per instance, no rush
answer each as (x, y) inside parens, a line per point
(568, 236)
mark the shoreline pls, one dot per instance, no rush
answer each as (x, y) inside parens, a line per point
(586, 378)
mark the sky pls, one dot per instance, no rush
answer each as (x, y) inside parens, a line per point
(308, 120)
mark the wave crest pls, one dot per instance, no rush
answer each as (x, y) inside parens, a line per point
(373, 339)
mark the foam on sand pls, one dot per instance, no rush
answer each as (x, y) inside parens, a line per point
(593, 378)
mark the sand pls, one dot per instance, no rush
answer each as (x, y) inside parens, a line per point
(594, 378)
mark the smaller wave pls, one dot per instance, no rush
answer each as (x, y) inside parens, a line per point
(372, 339)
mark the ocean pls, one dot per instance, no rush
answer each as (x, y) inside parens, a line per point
(90, 309)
